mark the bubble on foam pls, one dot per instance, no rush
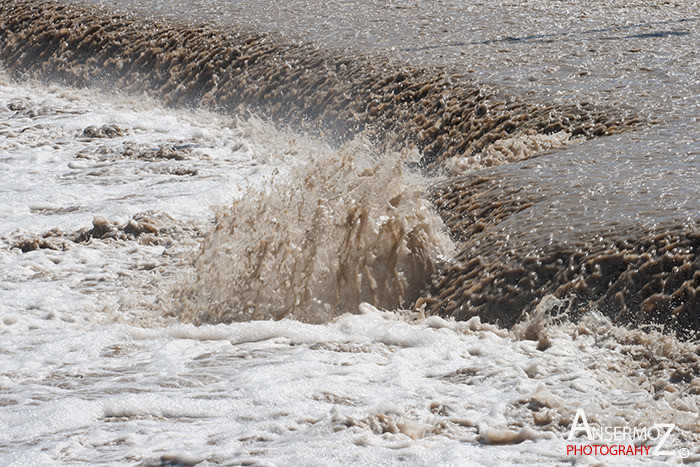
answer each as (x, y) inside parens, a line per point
(344, 229)
(495, 436)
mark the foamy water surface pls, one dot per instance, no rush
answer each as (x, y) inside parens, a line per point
(93, 372)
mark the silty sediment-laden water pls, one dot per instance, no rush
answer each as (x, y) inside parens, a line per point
(611, 219)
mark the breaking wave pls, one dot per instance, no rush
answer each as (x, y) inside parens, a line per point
(342, 96)
(342, 230)
(341, 233)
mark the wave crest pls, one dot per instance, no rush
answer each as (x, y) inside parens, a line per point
(341, 231)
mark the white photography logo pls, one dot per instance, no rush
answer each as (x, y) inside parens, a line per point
(658, 433)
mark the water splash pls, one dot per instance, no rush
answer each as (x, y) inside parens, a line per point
(344, 229)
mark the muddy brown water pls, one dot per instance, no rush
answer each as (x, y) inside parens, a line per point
(610, 220)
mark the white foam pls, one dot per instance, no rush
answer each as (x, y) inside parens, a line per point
(89, 374)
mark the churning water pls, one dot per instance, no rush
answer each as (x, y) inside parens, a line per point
(241, 233)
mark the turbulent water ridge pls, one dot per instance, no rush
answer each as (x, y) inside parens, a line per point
(635, 274)
(291, 83)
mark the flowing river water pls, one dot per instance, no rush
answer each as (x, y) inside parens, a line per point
(283, 232)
